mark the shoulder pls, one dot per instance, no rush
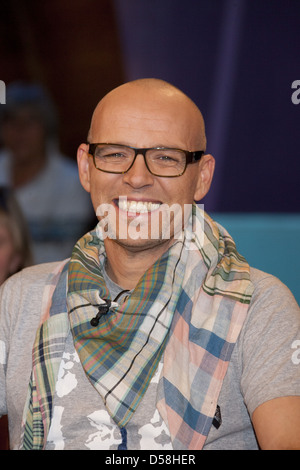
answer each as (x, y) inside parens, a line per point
(29, 280)
(272, 323)
(271, 296)
(21, 296)
(35, 274)
(271, 326)
(265, 345)
(273, 309)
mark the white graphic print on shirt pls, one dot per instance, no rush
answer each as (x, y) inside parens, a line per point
(81, 421)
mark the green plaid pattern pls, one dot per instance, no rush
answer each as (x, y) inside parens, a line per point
(121, 354)
(190, 305)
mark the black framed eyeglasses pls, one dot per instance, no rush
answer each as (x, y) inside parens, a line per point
(160, 161)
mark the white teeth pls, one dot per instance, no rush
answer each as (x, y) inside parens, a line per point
(140, 206)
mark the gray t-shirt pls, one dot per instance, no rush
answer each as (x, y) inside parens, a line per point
(261, 368)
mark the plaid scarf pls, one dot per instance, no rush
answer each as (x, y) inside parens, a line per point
(190, 306)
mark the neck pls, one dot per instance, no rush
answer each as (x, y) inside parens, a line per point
(126, 265)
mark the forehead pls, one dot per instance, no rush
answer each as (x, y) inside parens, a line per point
(144, 118)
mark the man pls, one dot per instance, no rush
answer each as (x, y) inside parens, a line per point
(168, 341)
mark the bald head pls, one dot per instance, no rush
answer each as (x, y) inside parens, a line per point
(151, 99)
(145, 114)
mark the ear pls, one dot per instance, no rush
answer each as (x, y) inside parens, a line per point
(205, 176)
(83, 161)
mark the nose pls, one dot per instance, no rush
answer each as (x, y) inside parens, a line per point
(138, 175)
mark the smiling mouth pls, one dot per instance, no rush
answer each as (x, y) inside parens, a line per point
(136, 207)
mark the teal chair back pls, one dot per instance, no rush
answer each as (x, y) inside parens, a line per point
(270, 242)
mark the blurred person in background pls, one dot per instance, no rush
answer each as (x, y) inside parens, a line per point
(15, 249)
(15, 254)
(46, 183)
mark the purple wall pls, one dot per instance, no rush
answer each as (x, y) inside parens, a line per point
(237, 59)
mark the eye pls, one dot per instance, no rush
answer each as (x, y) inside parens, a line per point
(164, 157)
(167, 157)
(111, 154)
(115, 155)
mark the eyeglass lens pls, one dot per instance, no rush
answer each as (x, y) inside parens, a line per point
(117, 158)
